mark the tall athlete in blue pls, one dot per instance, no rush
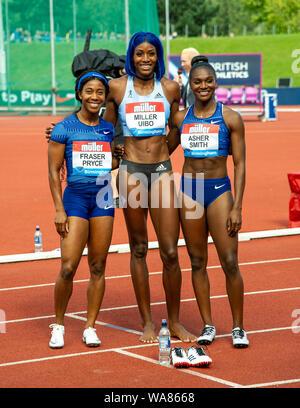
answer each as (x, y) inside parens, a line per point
(207, 132)
(84, 211)
(146, 101)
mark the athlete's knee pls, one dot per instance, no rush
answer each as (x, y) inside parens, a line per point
(97, 268)
(169, 256)
(198, 263)
(68, 270)
(230, 265)
(139, 250)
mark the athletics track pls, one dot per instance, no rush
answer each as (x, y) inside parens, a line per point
(270, 268)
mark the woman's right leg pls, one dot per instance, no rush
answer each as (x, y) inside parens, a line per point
(194, 227)
(72, 247)
(136, 221)
(165, 218)
(98, 246)
(227, 248)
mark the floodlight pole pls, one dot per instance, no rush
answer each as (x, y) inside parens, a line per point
(74, 27)
(3, 84)
(7, 53)
(167, 33)
(127, 28)
(52, 59)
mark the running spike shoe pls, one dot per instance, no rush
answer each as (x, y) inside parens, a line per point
(198, 357)
(239, 338)
(207, 336)
(179, 358)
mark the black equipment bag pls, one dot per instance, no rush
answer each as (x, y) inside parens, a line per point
(104, 61)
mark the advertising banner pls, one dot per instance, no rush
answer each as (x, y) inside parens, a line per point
(35, 98)
(231, 69)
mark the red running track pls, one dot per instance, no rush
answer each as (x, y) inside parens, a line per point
(269, 267)
(270, 270)
(272, 152)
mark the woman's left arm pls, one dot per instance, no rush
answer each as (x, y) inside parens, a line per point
(172, 91)
(237, 130)
(117, 152)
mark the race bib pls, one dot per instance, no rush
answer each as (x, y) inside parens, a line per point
(91, 158)
(200, 139)
(145, 118)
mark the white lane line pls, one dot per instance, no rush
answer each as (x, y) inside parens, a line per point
(122, 350)
(260, 331)
(37, 360)
(269, 384)
(190, 372)
(84, 353)
(110, 309)
(113, 326)
(151, 273)
(138, 346)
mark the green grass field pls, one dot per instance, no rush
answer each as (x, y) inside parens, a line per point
(30, 64)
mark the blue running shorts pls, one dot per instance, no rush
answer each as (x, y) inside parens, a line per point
(89, 203)
(204, 195)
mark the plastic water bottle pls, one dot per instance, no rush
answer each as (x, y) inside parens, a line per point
(164, 342)
(38, 240)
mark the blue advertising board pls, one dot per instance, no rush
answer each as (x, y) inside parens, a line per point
(231, 69)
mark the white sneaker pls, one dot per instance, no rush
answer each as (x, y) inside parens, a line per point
(57, 336)
(197, 357)
(239, 338)
(207, 336)
(179, 358)
(90, 337)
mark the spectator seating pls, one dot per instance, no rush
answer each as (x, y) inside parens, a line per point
(222, 95)
(251, 94)
(236, 95)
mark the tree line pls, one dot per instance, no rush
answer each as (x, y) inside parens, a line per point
(230, 16)
(187, 17)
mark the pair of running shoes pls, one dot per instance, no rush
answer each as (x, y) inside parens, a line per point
(193, 357)
(239, 337)
(196, 356)
(89, 336)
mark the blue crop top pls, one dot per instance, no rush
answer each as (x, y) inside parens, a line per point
(144, 115)
(88, 150)
(207, 137)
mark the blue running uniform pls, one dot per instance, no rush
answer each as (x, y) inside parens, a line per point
(200, 138)
(207, 137)
(88, 161)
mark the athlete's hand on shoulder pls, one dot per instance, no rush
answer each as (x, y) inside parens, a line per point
(61, 223)
(178, 79)
(234, 222)
(48, 131)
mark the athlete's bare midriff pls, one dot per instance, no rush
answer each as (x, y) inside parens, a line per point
(152, 149)
(211, 167)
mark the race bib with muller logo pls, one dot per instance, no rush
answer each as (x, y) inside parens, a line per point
(145, 118)
(200, 139)
(91, 158)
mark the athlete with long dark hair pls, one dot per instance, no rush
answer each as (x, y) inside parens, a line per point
(146, 101)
